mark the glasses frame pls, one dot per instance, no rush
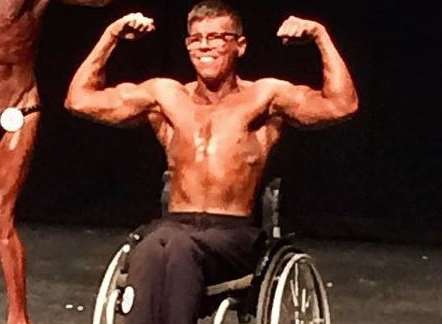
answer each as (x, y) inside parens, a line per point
(194, 41)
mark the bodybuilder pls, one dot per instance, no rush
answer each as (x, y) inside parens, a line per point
(217, 133)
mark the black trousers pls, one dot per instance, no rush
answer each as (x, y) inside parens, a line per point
(180, 255)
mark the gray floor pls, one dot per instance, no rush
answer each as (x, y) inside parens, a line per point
(368, 283)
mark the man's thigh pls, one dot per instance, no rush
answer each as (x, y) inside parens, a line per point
(230, 253)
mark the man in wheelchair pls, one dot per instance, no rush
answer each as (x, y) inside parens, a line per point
(217, 133)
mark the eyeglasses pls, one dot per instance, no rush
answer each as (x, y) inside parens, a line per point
(213, 39)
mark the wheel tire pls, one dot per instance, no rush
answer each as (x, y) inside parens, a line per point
(109, 284)
(273, 290)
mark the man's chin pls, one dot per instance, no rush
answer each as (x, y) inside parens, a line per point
(209, 78)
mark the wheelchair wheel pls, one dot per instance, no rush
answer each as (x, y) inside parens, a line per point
(111, 289)
(292, 291)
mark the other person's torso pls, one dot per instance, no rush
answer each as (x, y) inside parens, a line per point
(19, 28)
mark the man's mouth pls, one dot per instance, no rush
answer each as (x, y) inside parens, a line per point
(207, 59)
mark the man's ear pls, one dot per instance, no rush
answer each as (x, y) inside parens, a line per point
(242, 45)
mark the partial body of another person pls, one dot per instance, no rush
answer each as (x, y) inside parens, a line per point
(217, 133)
(20, 22)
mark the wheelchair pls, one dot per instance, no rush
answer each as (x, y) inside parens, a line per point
(286, 287)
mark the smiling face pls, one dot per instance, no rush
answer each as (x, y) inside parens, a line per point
(213, 47)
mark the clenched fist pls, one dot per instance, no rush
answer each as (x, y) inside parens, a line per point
(294, 28)
(132, 26)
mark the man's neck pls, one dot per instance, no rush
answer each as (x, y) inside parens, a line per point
(212, 93)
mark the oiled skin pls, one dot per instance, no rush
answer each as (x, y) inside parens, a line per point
(19, 27)
(217, 131)
(216, 152)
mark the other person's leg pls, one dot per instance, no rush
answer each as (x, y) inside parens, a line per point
(15, 153)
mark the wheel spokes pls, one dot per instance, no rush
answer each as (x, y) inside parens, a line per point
(300, 304)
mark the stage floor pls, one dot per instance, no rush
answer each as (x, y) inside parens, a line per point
(367, 282)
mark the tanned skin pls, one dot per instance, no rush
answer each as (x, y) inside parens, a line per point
(19, 28)
(217, 131)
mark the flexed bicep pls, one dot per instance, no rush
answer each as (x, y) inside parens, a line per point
(337, 97)
(113, 105)
(302, 105)
(88, 94)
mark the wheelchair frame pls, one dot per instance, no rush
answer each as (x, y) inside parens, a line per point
(286, 287)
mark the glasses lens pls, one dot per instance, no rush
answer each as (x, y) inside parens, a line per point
(212, 39)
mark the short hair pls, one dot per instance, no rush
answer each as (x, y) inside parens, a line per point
(211, 9)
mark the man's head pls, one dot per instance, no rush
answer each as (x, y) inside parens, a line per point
(212, 9)
(215, 39)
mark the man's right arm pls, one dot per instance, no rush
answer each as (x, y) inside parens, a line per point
(88, 95)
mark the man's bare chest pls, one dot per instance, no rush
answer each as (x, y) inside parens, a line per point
(234, 113)
(216, 123)
(221, 133)
(236, 120)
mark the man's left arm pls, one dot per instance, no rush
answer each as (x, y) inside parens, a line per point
(90, 3)
(303, 105)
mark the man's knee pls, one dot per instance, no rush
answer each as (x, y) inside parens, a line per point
(8, 235)
(11, 180)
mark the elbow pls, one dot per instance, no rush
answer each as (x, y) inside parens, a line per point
(353, 105)
(348, 107)
(74, 103)
(351, 108)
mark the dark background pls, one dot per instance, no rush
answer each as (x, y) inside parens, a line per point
(375, 177)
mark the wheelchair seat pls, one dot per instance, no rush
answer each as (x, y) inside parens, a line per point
(285, 288)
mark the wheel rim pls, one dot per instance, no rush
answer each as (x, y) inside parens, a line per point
(297, 298)
(107, 287)
(266, 298)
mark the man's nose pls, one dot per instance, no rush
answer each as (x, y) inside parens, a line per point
(204, 44)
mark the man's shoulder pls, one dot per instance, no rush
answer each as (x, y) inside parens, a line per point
(245, 83)
(161, 85)
(268, 82)
(190, 86)
(259, 84)
(277, 85)
(262, 86)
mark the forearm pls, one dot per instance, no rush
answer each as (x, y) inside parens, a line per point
(91, 75)
(337, 82)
